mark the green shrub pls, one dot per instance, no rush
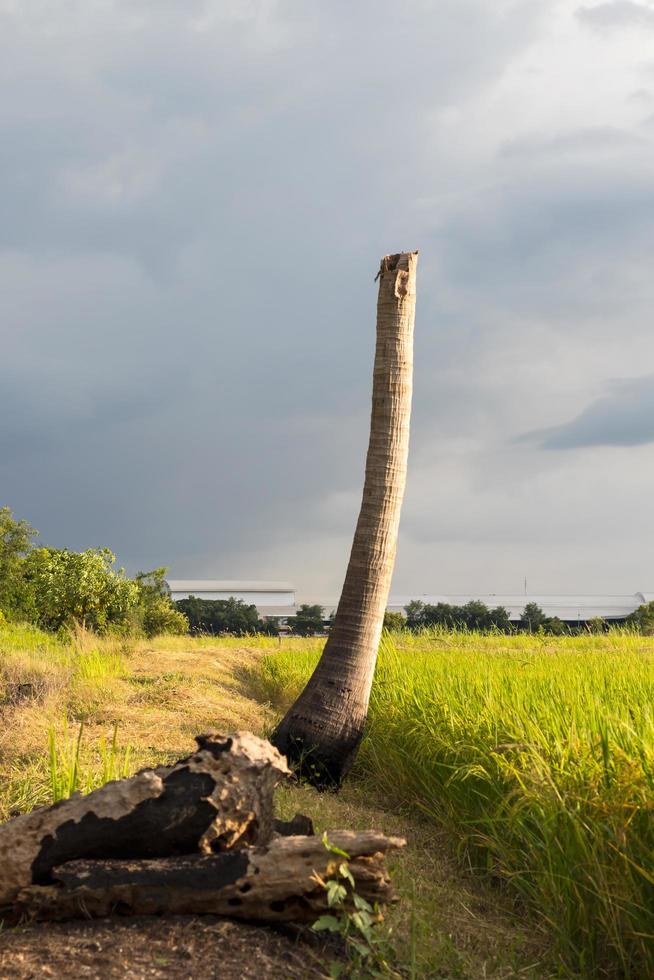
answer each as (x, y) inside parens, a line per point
(70, 587)
(216, 616)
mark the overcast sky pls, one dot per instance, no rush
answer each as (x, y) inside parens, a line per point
(194, 197)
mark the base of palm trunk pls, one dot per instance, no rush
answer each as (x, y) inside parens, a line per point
(324, 763)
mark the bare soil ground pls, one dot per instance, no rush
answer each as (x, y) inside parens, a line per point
(172, 947)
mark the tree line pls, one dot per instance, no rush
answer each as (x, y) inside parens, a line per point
(477, 616)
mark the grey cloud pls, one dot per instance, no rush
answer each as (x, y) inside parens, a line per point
(617, 13)
(623, 417)
(592, 139)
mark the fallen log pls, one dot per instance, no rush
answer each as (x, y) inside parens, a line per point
(218, 798)
(276, 883)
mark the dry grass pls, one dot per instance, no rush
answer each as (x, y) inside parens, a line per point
(154, 695)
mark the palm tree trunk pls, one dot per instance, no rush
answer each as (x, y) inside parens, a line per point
(321, 732)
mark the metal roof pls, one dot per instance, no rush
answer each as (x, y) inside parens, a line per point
(276, 610)
(220, 585)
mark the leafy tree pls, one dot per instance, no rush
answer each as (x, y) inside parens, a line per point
(475, 615)
(643, 619)
(15, 543)
(596, 625)
(415, 614)
(554, 626)
(307, 621)
(217, 616)
(533, 618)
(70, 587)
(394, 621)
(156, 612)
(443, 614)
(500, 621)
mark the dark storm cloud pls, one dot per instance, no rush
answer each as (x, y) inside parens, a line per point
(193, 201)
(617, 13)
(623, 417)
(197, 197)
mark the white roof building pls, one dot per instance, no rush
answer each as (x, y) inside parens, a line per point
(270, 598)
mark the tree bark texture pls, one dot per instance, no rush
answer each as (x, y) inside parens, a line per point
(276, 883)
(219, 798)
(321, 732)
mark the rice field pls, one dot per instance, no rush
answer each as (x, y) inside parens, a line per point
(537, 754)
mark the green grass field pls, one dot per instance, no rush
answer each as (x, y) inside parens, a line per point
(537, 755)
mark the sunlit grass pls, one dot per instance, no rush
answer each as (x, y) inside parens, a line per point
(538, 754)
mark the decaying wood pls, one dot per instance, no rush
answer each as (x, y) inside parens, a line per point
(299, 826)
(276, 883)
(220, 797)
(195, 837)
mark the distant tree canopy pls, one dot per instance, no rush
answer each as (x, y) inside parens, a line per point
(56, 588)
(218, 616)
(474, 615)
(394, 621)
(643, 619)
(533, 617)
(307, 621)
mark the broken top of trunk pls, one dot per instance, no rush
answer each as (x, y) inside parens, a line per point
(218, 798)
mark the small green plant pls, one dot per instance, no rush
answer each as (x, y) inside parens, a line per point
(66, 773)
(64, 763)
(352, 918)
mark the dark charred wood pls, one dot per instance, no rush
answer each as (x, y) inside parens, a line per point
(298, 826)
(218, 798)
(277, 883)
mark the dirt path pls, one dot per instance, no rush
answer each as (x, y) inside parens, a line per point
(172, 947)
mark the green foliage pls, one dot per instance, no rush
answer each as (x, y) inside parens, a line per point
(67, 774)
(15, 542)
(533, 618)
(308, 621)
(218, 616)
(474, 615)
(353, 918)
(394, 621)
(156, 613)
(70, 587)
(537, 754)
(643, 619)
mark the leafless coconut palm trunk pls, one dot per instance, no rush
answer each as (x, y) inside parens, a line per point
(321, 732)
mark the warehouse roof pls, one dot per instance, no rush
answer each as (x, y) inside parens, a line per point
(223, 585)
